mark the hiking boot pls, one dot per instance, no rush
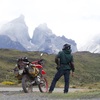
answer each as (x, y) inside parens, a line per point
(50, 92)
(65, 92)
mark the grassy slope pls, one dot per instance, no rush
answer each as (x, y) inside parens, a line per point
(87, 66)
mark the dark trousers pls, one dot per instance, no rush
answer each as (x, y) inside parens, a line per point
(57, 76)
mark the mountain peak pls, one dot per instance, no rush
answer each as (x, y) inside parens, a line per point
(45, 40)
(43, 26)
(20, 19)
(17, 31)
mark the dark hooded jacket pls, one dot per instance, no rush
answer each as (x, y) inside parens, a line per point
(65, 60)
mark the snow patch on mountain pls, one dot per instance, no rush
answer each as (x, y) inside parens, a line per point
(93, 45)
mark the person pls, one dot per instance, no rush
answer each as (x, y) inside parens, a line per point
(64, 61)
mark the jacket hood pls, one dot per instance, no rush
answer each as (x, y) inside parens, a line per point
(67, 51)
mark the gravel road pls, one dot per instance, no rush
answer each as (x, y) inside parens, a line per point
(16, 93)
(36, 89)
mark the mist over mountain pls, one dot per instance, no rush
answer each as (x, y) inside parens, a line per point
(93, 45)
(14, 35)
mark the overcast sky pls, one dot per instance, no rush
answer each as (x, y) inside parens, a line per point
(76, 19)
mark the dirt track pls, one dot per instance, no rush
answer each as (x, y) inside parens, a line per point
(36, 89)
(16, 93)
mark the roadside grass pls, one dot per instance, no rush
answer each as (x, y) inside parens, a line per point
(93, 94)
(95, 85)
(75, 95)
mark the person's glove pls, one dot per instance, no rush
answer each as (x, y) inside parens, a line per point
(72, 74)
(57, 67)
